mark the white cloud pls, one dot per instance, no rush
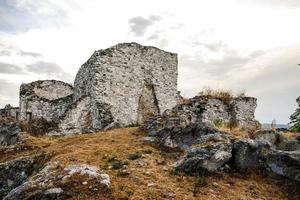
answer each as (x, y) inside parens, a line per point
(226, 43)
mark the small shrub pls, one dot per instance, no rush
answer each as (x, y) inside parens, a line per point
(122, 187)
(174, 171)
(112, 158)
(218, 123)
(147, 151)
(200, 181)
(118, 164)
(134, 156)
(222, 94)
(122, 173)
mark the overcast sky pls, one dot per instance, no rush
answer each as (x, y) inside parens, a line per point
(242, 45)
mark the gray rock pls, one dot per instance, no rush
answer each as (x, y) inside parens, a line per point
(13, 173)
(267, 135)
(210, 158)
(54, 182)
(9, 134)
(287, 144)
(250, 153)
(284, 163)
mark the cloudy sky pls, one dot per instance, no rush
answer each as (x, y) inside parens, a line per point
(242, 45)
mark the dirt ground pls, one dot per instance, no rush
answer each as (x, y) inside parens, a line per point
(141, 171)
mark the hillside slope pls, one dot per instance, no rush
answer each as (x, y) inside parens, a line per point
(138, 170)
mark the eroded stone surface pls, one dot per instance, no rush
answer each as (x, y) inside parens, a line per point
(9, 133)
(47, 99)
(117, 76)
(211, 158)
(249, 153)
(285, 164)
(14, 173)
(55, 182)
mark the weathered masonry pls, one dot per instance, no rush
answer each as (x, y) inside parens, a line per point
(125, 84)
(135, 81)
(122, 85)
(48, 99)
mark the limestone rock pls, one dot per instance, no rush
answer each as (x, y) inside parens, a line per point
(13, 173)
(250, 153)
(9, 134)
(132, 79)
(210, 158)
(285, 164)
(188, 123)
(288, 144)
(44, 99)
(54, 182)
(267, 135)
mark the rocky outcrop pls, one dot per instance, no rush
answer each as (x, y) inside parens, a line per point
(210, 158)
(250, 153)
(57, 182)
(270, 136)
(284, 163)
(14, 173)
(188, 122)
(9, 133)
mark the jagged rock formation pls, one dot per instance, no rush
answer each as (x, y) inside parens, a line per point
(249, 154)
(186, 123)
(13, 173)
(211, 158)
(132, 79)
(9, 133)
(56, 182)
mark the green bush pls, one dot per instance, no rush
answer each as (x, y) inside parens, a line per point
(134, 156)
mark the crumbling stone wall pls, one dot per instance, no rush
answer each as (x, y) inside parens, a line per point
(45, 99)
(239, 111)
(203, 111)
(9, 111)
(84, 115)
(118, 75)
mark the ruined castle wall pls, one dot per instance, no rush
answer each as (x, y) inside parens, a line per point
(216, 109)
(244, 110)
(239, 111)
(48, 99)
(84, 115)
(9, 111)
(117, 76)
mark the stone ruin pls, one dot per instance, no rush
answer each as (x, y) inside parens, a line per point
(120, 86)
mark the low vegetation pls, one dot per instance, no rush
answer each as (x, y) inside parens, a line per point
(140, 171)
(223, 94)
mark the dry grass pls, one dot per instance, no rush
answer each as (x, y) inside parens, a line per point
(222, 94)
(149, 176)
(290, 135)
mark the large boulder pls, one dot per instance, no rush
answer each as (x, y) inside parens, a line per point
(210, 158)
(249, 153)
(57, 182)
(9, 134)
(285, 163)
(13, 173)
